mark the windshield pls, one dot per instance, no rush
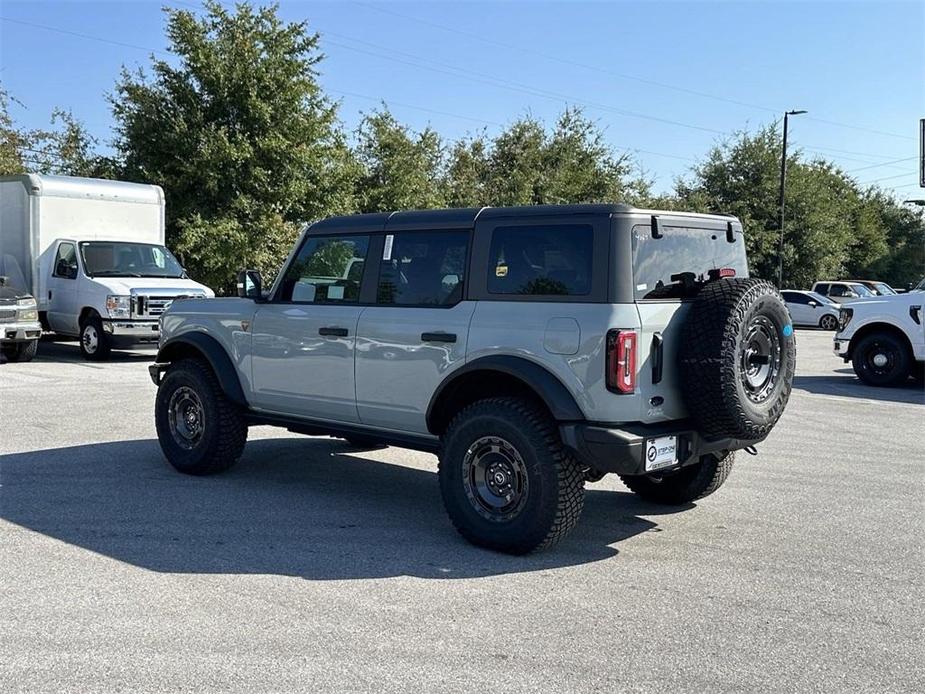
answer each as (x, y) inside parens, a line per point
(862, 290)
(920, 287)
(883, 289)
(124, 259)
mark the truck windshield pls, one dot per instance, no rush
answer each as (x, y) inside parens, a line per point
(124, 259)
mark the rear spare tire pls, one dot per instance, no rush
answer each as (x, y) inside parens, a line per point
(737, 359)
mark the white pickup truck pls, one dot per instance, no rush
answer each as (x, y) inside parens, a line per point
(884, 338)
(92, 254)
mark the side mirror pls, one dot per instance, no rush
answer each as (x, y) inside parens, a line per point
(250, 284)
(813, 304)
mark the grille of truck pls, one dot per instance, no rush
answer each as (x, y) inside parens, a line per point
(7, 316)
(152, 306)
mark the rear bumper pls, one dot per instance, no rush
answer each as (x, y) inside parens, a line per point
(20, 332)
(621, 448)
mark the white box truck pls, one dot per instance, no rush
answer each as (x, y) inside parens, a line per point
(92, 254)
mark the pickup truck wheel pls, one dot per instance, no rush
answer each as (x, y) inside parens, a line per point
(21, 351)
(200, 430)
(684, 485)
(828, 322)
(95, 344)
(506, 481)
(737, 356)
(881, 359)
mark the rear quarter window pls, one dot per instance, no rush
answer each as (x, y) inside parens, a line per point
(675, 265)
(541, 260)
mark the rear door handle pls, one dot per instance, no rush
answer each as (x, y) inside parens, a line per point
(438, 337)
(333, 332)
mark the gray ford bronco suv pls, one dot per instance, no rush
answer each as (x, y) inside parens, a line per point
(531, 348)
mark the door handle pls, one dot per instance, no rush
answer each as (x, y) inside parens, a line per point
(438, 337)
(49, 295)
(333, 332)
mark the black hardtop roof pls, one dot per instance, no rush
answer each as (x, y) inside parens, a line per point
(464, 217)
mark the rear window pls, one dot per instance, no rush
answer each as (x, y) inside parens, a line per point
(676, 265)
(544, 260)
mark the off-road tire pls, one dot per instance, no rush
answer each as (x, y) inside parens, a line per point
(828, 322)
(894, 349)
(92, 333)
(223, 431)
(712, 358)
(21, 351)
(685, 485)
(555, 481)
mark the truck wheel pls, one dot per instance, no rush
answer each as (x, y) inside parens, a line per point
(737, 358)
(200, 430)
(684, 485)
(881, 359)
(95, 344)
(21, 351)
(506, 481)
(828, 322)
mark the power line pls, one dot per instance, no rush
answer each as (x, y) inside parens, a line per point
(621, 75)
(888, 178)
(85, 36)
(887, 163)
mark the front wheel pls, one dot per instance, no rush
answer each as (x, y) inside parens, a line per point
(828, 322)
(21, 351)
(95, 344)
(200, 430)
(881, 359)
(506, 481)
(685, 485)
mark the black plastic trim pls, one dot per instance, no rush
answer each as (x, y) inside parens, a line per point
(215, 354)
(552, 391)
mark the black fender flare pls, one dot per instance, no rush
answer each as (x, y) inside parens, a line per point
(200, 344)
(544, 383)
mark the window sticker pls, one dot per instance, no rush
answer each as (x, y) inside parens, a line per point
(387, 249)
(642, 287)
(335, 292)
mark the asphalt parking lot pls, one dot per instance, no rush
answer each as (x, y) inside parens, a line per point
(315, 566)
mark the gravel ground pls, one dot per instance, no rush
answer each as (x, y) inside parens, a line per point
(314, 566)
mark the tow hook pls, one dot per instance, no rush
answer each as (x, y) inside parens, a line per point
(751, 450)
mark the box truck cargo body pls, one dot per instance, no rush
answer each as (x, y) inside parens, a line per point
(92, 253)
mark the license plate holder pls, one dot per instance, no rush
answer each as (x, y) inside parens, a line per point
(661, 452)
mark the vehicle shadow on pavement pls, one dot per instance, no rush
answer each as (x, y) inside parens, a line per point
(314, 508)
(852, 387)
(69, 351)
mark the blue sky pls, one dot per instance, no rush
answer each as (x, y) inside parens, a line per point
(659, 77)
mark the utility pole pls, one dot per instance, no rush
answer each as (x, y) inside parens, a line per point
(783, 180)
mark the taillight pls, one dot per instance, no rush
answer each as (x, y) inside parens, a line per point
(621, 360)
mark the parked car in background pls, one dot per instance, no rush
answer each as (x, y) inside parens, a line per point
(811, 309)
(19, 321)
(92, 254)
(878, 288)
(842, 291)
(884, 338)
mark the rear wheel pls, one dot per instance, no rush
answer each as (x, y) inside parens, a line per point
(881, 359)
(95, 344)
(506, 481)
(828, 322)
(684, 485)
(200, 430)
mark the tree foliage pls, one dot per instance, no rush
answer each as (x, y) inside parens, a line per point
(239, 134)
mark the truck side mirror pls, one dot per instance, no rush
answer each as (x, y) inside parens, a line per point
(250, 284)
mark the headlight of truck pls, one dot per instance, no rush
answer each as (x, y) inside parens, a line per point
(119, 306)
(26, 302)
(29, 315)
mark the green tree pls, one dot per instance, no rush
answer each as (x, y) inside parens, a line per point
(400, 169)
(240, 136)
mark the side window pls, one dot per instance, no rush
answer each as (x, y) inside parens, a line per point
(66, 262)
(839, 290)
(822, 289)
(795, 298)
(328, 269)
(549, 260)
(423, 268)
